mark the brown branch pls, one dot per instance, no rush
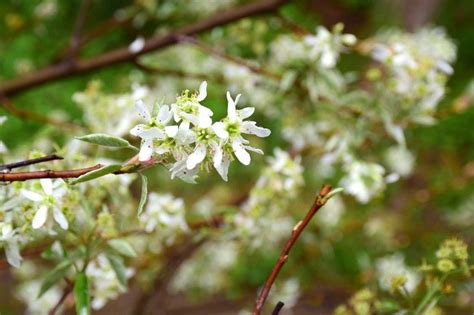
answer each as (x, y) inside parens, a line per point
(24, 114)
(232, 59)
(297, 230)
(22, 176)
(47, 158)
(122, 55)
(171, 72)
(76, 35)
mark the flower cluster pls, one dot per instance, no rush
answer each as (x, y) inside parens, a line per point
(184, 136)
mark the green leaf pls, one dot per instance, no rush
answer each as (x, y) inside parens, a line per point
(144, 194)
(119, 268)
(122, 247)
(106, 140)
(54, 276)
(97, 173)
(81, 294)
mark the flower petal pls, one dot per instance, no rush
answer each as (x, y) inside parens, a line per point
(231, 111)
(146, 150)
(204, 120)
(246, 112)
(171, 131)
(219, 129)
(202, 91)
(197, 156)
(40, 217)
(142, 110)
(13, 253)
(60, 218)
(164, 114)
(251, 127)
(33, 196)
(47, 185)
(239, 151)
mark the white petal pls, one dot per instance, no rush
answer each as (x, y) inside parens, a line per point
(191, 118)
(250, 127)
(231, 111)
(32, 195)
(164, 114)
(13, 254)
(202, 91)
(223, 169)
(47, 185)
(247, 147)
(146, 150)
(196, 157)
(171, 131)
(246, 112)
(60, 218)
(242, 155)
(40, 217)
(204, 120)
(348, 39)
(142, 110)
(219, 129)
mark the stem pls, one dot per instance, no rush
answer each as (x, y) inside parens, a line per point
(22, 176)
(47, 158)
(297, 230)
(426, 300)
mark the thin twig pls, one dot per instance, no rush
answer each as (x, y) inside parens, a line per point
(172, 72)
(24, 114)
(76, 35)
(297, 230)
(56, 307)
(22, 176)
(215, 52)
(121, 55)
(23, 163)
(278, 308)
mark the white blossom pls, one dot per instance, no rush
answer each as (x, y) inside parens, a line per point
(48, 200)
(392, 266)
(9, 240)
(363, 180)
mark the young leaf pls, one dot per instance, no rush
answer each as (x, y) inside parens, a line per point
(97, 173)
(81, 294)
(144, 193)
(106, 140)
(54, 276)
(122, 247)
(119, 268)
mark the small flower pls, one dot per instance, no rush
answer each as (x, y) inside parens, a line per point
(137, 45)
(233, 126)
(9, 239)
(155, 128)
(49, 200)
(445, 265)
(188, 108)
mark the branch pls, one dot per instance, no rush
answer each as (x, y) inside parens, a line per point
(278, 308)
(121, 55)
(24, 114)
(47, 158)
(76, 35)
(232, 59)
(320, 200)
(22, 176)
(65, 294)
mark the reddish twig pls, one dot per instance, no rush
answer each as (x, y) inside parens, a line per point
(121, 55)
(297, 230)
(47, 158)
(22, 176)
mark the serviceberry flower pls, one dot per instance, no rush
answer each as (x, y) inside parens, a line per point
(49, 199)
(233, 126)
(155, 128)
(189, 110)
(9, 239)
